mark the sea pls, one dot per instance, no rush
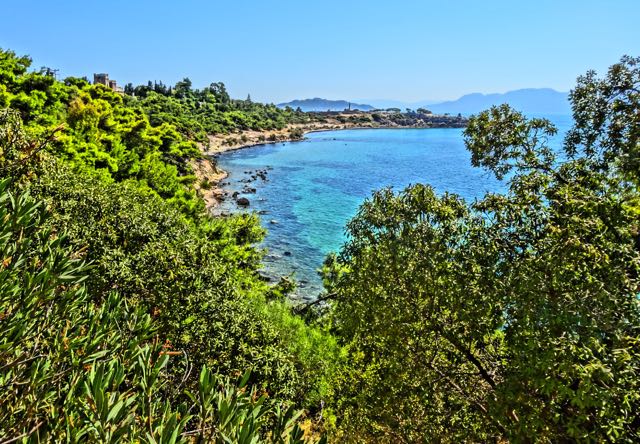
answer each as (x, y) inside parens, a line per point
(305, 192)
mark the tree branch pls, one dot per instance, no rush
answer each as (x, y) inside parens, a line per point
(303, 309)
(467, 354)
(24, 435)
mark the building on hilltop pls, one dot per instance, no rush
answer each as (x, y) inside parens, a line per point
(49, 72)
(103, 79)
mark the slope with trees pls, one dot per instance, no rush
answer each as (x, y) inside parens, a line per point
(197, 113)
(118, 290)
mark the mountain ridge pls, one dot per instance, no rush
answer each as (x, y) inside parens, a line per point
(526, 100)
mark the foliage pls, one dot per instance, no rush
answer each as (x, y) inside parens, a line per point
(84, 365)
(198, 112)
(98, 132)
(64, 357)
(231, 414)
(516, 317)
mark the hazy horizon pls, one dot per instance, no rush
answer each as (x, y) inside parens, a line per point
(424, 101)
(277, 52)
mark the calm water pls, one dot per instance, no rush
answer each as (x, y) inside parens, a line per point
(314, 187)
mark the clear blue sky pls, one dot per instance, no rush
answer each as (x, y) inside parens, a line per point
(280, 50)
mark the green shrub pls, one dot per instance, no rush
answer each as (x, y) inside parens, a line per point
(81, 357)
(514, 318)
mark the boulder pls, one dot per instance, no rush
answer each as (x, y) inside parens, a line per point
(242, 201)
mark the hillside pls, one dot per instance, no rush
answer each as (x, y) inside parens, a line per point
(528, 101)
(318, 104)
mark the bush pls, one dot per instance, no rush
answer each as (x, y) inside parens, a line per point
(513, 318)
(82, 358)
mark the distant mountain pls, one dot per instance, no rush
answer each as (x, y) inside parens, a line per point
(318, 104)
(528, 101)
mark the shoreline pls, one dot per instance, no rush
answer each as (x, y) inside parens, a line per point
(210, 176)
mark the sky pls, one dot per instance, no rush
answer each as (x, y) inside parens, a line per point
(279, 50)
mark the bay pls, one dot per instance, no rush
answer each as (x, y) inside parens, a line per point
(314, 187)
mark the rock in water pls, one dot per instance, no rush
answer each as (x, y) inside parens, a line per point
(242, 201)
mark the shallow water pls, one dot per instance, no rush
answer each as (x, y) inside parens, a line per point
(315, 186)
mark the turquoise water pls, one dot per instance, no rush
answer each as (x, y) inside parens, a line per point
(315, 186)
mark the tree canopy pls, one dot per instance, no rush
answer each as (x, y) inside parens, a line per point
(126, 312)
(515, 317)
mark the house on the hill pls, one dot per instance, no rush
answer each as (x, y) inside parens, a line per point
(103, 79)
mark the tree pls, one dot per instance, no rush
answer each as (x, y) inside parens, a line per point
(220, 92)
(182, 88)
(515, 317)
(82, 362)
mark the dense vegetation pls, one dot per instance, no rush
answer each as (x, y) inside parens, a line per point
(516, 317)
(127, 314)
(164, 279)
(210, 110)
(86, 366)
